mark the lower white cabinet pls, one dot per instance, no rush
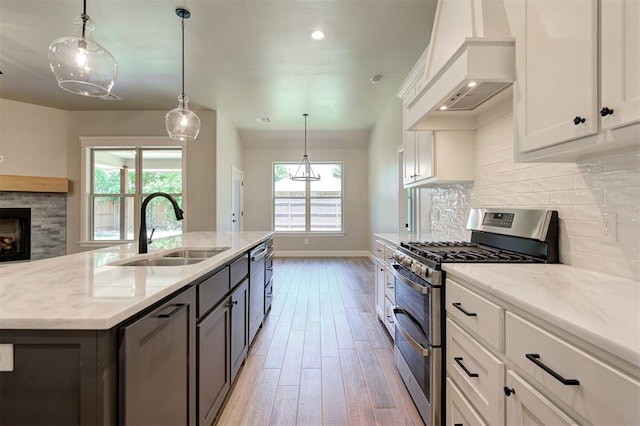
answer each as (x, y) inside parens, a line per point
(524, 372)
(526, 406)
(384, 284)
(459, 410)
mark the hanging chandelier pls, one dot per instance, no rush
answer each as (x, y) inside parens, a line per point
(305, 173)
(81, 65)
(182, 124)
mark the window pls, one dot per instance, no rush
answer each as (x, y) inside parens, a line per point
(120, 178)
(307, 206)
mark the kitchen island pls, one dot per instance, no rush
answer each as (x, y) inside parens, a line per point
(86, 340)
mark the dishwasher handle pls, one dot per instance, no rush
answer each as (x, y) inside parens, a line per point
(255, 256)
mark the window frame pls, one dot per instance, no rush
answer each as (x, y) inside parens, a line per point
(90, 144)
(307, 199)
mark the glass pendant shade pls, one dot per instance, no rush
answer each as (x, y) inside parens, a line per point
(81, 65)
(182, 124)
(305, 173)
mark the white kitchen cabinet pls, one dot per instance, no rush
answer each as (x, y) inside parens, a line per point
(569, 105)
(459, 411)
(499, 356)
(384, 284)
(526, 406)
(438, 157)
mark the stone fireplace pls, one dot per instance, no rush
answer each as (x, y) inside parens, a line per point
(47, 230)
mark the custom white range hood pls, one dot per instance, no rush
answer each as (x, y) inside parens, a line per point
(470, 60)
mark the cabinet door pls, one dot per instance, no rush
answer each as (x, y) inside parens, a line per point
(409, 157)
(620, 62)
(425, 165)
(388, 318)
(214, 382)
(459, 411)
(379, 287)
(557, 72)
(239, 302)
(525, 406)
(156, 365)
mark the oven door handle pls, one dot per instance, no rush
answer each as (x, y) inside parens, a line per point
(417, 287)
(415, 345)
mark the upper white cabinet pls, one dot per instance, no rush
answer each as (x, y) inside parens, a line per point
(568, 104)
(438, 157)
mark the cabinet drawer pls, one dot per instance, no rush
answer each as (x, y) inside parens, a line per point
(388, 318)
(388, 254)
(379, 250)
(478, 373)
(603, 395)
(239, 270)
(389, 287)
(477, 313)
(459, 410)
(525, 406)
(212, 290)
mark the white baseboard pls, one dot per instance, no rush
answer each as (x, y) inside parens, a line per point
(322, 253)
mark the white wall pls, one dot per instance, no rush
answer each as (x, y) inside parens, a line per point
(580, 192)
(386, 139)
(33, 140)
(258, 192)
(229, 153)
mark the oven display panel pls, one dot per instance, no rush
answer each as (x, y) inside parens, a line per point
(500, 220)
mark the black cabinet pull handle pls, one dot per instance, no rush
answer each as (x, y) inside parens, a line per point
(458, 424)
(459, 307)
(535, 358)
(458, 361)
(508, 391)
(606, 111)
(579, 120)
(172, 312)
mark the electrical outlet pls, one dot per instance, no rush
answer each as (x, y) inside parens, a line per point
(609, 227)
(306, 241)
(6, 357)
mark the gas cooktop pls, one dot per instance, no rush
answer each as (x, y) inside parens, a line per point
(463, 251)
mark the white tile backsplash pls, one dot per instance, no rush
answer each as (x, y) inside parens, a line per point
(580, 192)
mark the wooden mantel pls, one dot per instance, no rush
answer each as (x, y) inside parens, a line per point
(33, 184)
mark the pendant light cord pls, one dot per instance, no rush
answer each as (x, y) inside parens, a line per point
(305, 134)
(182, 56)
(85, 17)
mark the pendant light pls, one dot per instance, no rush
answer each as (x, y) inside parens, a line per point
(182, 124)
(81, 65)
(305, 173)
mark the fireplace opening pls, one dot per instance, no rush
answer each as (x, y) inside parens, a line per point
(15, 234)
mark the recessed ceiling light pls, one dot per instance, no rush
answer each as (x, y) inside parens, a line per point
(317, 35)
(443, 107)
(376, 79)
(263, 120)
(472, 84)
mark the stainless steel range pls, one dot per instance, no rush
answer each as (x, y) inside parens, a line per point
(497, 236)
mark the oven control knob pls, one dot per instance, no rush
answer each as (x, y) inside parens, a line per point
(407, 262)
(424, 271)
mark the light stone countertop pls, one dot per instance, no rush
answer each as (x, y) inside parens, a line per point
(599, 308)
(84, 291)
(397, 237)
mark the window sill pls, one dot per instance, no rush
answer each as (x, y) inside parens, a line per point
(309, 234)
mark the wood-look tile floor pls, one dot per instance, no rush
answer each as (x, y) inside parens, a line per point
(321, 357)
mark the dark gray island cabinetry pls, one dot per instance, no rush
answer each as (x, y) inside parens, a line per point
(172, 362)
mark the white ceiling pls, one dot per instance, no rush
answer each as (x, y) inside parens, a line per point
(246, 59)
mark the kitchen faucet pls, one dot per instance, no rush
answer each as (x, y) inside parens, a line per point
(142, 240)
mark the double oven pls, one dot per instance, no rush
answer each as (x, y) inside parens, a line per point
(497, 236)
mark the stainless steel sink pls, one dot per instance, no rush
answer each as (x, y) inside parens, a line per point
(195, 253)
(163, 261)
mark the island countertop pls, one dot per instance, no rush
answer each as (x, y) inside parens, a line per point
(88, 291)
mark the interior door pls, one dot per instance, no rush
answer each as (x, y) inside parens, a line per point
(237, 192)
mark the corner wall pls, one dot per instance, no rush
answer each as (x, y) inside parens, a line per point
(229, 153)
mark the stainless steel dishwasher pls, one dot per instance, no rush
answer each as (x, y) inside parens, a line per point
(256, 289)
